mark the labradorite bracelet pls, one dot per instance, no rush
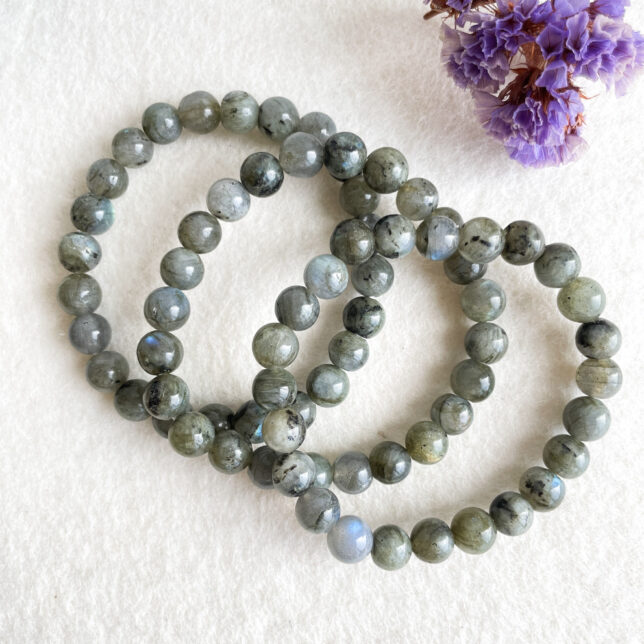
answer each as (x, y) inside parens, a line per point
(279, 414)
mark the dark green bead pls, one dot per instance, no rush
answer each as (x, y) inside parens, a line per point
(261, 174)
(390, 462)
(260, 470)
(344, 155)
(317, 510)
(391, 547)
(297, 308)
(599, 378)
(474, 530)
(191, 434)
(128, 400)
(323, 470)
(426, 442)
(417, 198)
(305, 407)
(167, 308)
(230, 452)
(432, 540)
(364, 316)
(248, 421)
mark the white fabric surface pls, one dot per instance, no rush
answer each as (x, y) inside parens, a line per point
(107, 535)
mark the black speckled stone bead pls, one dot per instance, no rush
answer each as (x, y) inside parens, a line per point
(352, 241)
(230, 452)
(543, 488)
(199, 112)
(486, 342)
(278, 118)
(558, 265)
(107, 178)
(297, 308)
(221, 416)
(92, 214)
(512, 513)
(274, 388)
(79, 253)
(260, 470)
(524, 243)
(481, 240)
(417, 198)
(283, 430)
(390, 462)
(166, 397)
(460, 271)
(159, 352)
(344, 155)
(261, 174)
(566, 456)
(373, 277)
(395, 236)
(391, 547)
(191, 434)
(586, 418)
(386, 170)
(161, 123)
(128, 400)
(132, 148)
(90, 333)
(599, 339)
(293, 474)
(364, 316)
(357, 198)
(107, 370)
(199, 232)
(79, 293)
(432, 540)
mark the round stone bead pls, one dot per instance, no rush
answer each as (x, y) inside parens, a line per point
(472, 380)
(566, 456)
(326, 276)
(92, 214)
(599, 378)
(159, 352)
(417, 198)
(524, 243)
(483, 300)
(230, 453)
(278, 118)
(348, 351)
(107, 370)
(386, 170)
(293, 474)
(323, 471)
(275, 345)
(450, 213)
(227, 199)
(390, 462)
(79, 253)
(132, 148)
(182, 268)
(317, 510)
(426, 442)
(364, 316)
(486, 342)
(107, 178)
(261, 174)
(352, 472)
(274, 388)
(460, 271)
(327, 385)
(166, 397)
(512, 514)
(432, 540)
(301, 155)
(161, 123)
(199, 112)
(199, 232)
(558, 265)
(581, 300)
(219, 415)
(344, 155)
(239, 112)
(437, 238)
(453, 413)
(305, 407)
(352, 241)
(283, 430)
(391, 547)
(350, 540)
(395, 236)
(128, 400)
(166, 308)
(90, 333)
(599, 339)
(162, 427)
(370, 220)
(586, 419)
(543, 488)
(474, 530)
(191, 434)
(481, 240)
(297, 308)
(249, 421)
(357, 198)
(320, 125)
(374, 277)
(79, 293)
(260, 470)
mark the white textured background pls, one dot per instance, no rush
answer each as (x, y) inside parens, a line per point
(105, 533)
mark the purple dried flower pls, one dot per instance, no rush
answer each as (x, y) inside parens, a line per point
(612, 8)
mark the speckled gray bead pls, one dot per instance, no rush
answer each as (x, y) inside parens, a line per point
(481, 240)
(390, 462)
(283, 430)
(159, 352)
(350, 540)
(326, 276)
(357, 198)
(301, 155)
(128, 400)
(391, 547)
(107, 178)
(249, 421)
(426, 442)
(79, 293)
(166, 397)
(278, 118)
(581, 300)
(524, 243)
(437, 237)
(200, 232)
(386, 170)
(305, 407)
(274, 388)
(512, 514)
(352, 472)
(132, 148)
(566, 456)
(364, 316)
(90, 333)
(474, 530)
(344, 155)
(297, 308)
(166, 308)
(293, 474)
(558, 265)
(92, 214)
(261, 174)
(191, 434)
(483, 300)
(486, 342)
(182, 268)
(453, 413)
(348, 351)
(432, 540)
(227, 199)
(107, 370)
(327, 385)
(320, 125)
(239, 112)
(472, 380)
(460, 271)
(395, 236)
(543, 488)
(352, 241)
(374, 277)
(599, 339)
(221, 416)
(275, 345)
(323, 470)
(199, 112)
(586, 419)
(599, 378)
(317, 510)
(161, 123)
(230, 452)
(260, 470)
(417, 198)
(79, 253)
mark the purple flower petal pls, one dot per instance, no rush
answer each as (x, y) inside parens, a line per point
(554, 76)
(577, 34)
(551, 40)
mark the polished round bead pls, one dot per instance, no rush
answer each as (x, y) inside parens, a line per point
(317, 510)
(327, 385)
(472, 380)
(450, 213)
(474, 530)
(278, 118)
(90, 333)
(352, 472)
(305, 407)
(249, 421)
(426, 442)
(386, 170)
(199, 232)
(391, 547)
(275, 345)
(260, 470)
(524, 243)
(107, 370)
(166, 308)
(483, 300)
(543, 488)
(283, 430)
(344, 155)
(326, 276)
(162, 427)
(417, 198)
(107, 178)
(221, 416)
(437, 237)
(586, 419)
(320, 125)
(182, 268)
(166, 397)
(581, 300)
(79, 253)
(191, 434)
(350, 540)
(566, 456)
(92, 214)
(228, 200)
(453, 413)
(599, 339)
(374, 277)
(486, 342)
(301, 155)
(128, 400)
(239, 112)
(395, 236)
(261, 174)
(274, 388)
(161, 123)
(230, 452)
(432, 540)
(297, 308)
(390, 462)
(460, 271)
(370, 220)
(364, 316)
(293, 474)
(352, 241)
(159, 352)
(323, 470)
(132, 148)
(558, 265)
(199, 112)
(79, 293)
(481, 240)
(599, 378)
(512, 514)
(348, 351)
(357, 198)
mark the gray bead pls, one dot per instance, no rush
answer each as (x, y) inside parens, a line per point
(90, 333)
(511, 513)
(395, 236)
(274, 388)
(227, 199)
(483, 300)
(348, 351)
(450, 213)
(558, 265)
(317, 510)
(370, 220)
(261, 174)
(305, 407)
(390, 462)
(352, 472)
(426, 442)
(167, 308)
(350, 540)
(474, 530)
(357, 198)
(260, 470)
(417, 198)
(283, 430)
(486, 342)
(128, 400)
(472, 380)
(230, 453)
(239, 112)
(386, 170)
(364, 316)
(373, 277)
(191, 434)
(327, 385)
(162, 427)
(159, 352)
(326, 276)
(320, 125)
(599, 339)
(275, 345)
(107, 370)
(107, 178)
(199, 112)
(92, 214)
(543, 488)
(278, 118)
(566, 456)
(581, 300)
(293, 474)
(460, 271)
(481, 241)
(166, 397)
(344, 155)
(248, 421)
(352, 241)
(79, 293)
(586, 419)
(432, 540)
(391, 547)
(323, 470)
(200, 232)
(221, 416)
(132, 148)
(297, 307)
(599, 378)
(453, 413)
(437, 237)
(301, 155)
(161, 123)
(524, 243)
(182, 268)
(79, 253)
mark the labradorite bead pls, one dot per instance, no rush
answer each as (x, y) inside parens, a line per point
(391, 547)
(352, 241)
(260, 470)
(543, 488)
(450, 213)
(326, 276)
(166, 397)
(92, 214)
(460, 271)
(320, 125)
(275, 345)
(107, 178)
(278, 118)
(453, 413)
(327, 385)
(182, 268)
(317, 510)
(558, 265)
(239, 112)
(599, 339)
(350, 540)
(261, 174)
(159, 352)
(386, 169)
(374, 277)
(486, 342)
(474, 530)
(221, 416)
(191, 434)
(432, 540)
(524, 243)
(586, 419)
(395, 236)
(79, 293)
(128, 400)
(200, 232)
(227, 199)
(481, 240)
(199, 112)
(248, 421)
(512, 514)
(472, 380)
(283, 430)
(599, 378)
(357, 198)
(301, 155)
(437, 237)
(417, 198)
(161, 123)
(370, 220)
(352, 472)
(274, 388)
(132, 148)
(390, 462)
(426, 442)
(323, 470)
(348, 351)
(297, 307)
(293, 473)
(167, 308)
(107, 370)
(581, 300)
(305, 407)
(90, 333)
(162, 427)
(483, 300)
(566, 456)
(230, 452)
(79, 253)
(364, 316)
(344, 155)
